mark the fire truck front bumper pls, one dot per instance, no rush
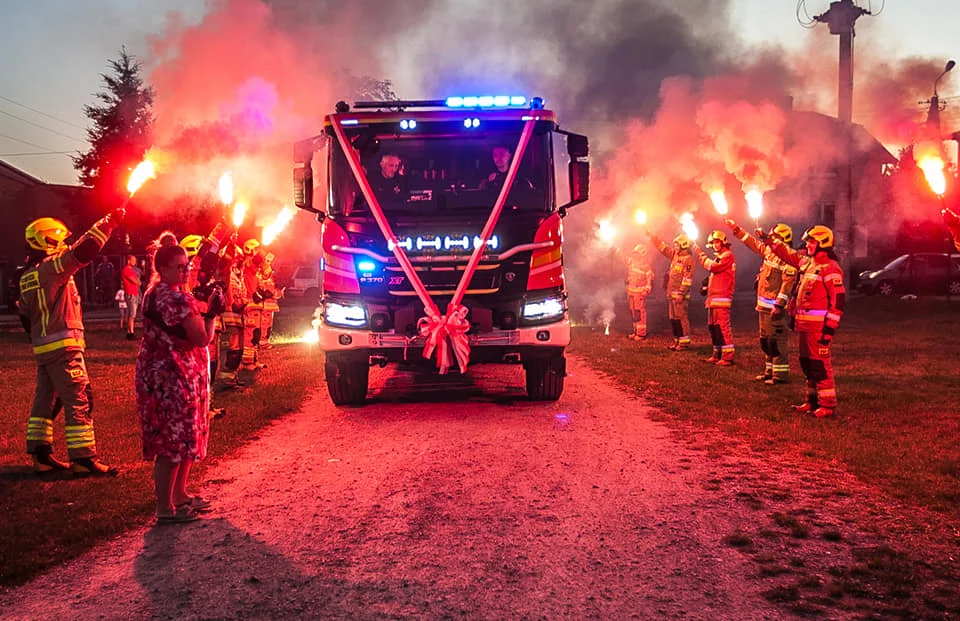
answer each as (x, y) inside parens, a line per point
(492, 346)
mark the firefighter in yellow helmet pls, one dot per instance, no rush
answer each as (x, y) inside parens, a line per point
(639, 283)
(819, 304)
(49, 305)
(720, 287)
(270, 293)
(775, 284)
(679, 283)
(231, 274)
(253, 308)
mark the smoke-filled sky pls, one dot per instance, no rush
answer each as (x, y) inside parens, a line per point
(593, 64)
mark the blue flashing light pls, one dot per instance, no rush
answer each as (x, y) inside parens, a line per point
(471, 102)
(366, 266)
(489, 101)
(413, 123)
(501, 101)
(454, 102)
(350, 122)
(471, 123)
(518, 100)
(485, 101)
(408, 124)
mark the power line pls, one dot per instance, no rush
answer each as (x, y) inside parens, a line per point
(44, 127)
(40, 112)
(29, 144)
(36, 153)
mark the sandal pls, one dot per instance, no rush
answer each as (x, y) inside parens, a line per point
(181, 515)
(196, 503)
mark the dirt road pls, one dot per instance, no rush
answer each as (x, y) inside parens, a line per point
(465, 500)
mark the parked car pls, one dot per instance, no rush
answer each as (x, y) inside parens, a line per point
(920, 273)
(304, 283)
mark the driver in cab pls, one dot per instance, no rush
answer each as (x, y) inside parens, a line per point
(388, 181)
(502, 156)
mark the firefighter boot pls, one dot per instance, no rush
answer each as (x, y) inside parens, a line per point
(44, 462)
(805, 408)
(92, 467)
(822, 412)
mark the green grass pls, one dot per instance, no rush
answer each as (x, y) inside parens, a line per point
(48, 521)
(898, 380)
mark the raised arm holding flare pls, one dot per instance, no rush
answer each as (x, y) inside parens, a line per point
(819, 304)
(775, 284)
(679, 283)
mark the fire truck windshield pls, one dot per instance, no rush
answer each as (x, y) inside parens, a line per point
(442, 174)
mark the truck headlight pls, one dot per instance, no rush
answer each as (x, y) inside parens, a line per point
(547, 308)
(350, 315)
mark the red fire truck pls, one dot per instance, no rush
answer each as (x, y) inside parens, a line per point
(418, 260)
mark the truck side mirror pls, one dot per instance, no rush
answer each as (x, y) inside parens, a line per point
(577, 146)
(579, 177)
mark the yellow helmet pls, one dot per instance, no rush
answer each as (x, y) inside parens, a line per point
(718, 236)
(783, 231)
(820, 234)
(682, 242)
(47, 234)
(250, 246)
(640, 249)
(191, 243)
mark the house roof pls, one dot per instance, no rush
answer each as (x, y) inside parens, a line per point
(864, 143)
(12, 172)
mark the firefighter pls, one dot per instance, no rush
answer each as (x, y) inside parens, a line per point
(253, 307)
(775, 284)
(230, 275)
(818, 306)
(639, 286)
(50, 304)
(679, 283)
(952, 220)
(271, 295)
(720, 286)
(198, 280)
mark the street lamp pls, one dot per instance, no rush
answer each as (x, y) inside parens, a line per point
(950, 65)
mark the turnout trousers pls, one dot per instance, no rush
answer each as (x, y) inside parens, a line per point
(679, 314)
(818, 369)
(62, 380)
(773, 343)
(721, 333)
(638, 312)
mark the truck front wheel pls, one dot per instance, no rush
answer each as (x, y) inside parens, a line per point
(545, 377)
(347, 379)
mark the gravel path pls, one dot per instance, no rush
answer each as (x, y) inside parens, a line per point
(466, 501)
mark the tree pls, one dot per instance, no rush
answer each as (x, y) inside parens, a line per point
(120, 133)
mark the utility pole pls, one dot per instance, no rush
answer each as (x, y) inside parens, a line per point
(841, 18)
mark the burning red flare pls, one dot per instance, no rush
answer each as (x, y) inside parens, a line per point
(932, 167)
(239, 213)
(719, 202)
(755, 203)
(144, 170)
(226, 188)
(271, 231)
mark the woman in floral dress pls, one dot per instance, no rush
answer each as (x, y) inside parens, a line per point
(172, 384)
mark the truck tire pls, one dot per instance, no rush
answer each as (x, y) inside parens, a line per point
(545, 377)
(347, 379)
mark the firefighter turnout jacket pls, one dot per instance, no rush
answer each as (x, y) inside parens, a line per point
(821, 295)
(680, 274)
(776, 279)
(639, 276)
(49, 297)
(723, 278)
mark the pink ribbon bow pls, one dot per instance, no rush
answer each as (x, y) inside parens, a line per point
(445, 334)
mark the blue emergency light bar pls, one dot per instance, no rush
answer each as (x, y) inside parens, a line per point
(486, 101)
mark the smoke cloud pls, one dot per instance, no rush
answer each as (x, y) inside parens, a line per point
(675, 105)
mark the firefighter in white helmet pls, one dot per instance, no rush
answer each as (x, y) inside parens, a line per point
(819, 304)
(720, 287)
(679, 283)
(639, 285)
(775, 284)
(49, 304)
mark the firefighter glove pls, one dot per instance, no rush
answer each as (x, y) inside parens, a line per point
(777, 312)
(762, 235)
(825, 339)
